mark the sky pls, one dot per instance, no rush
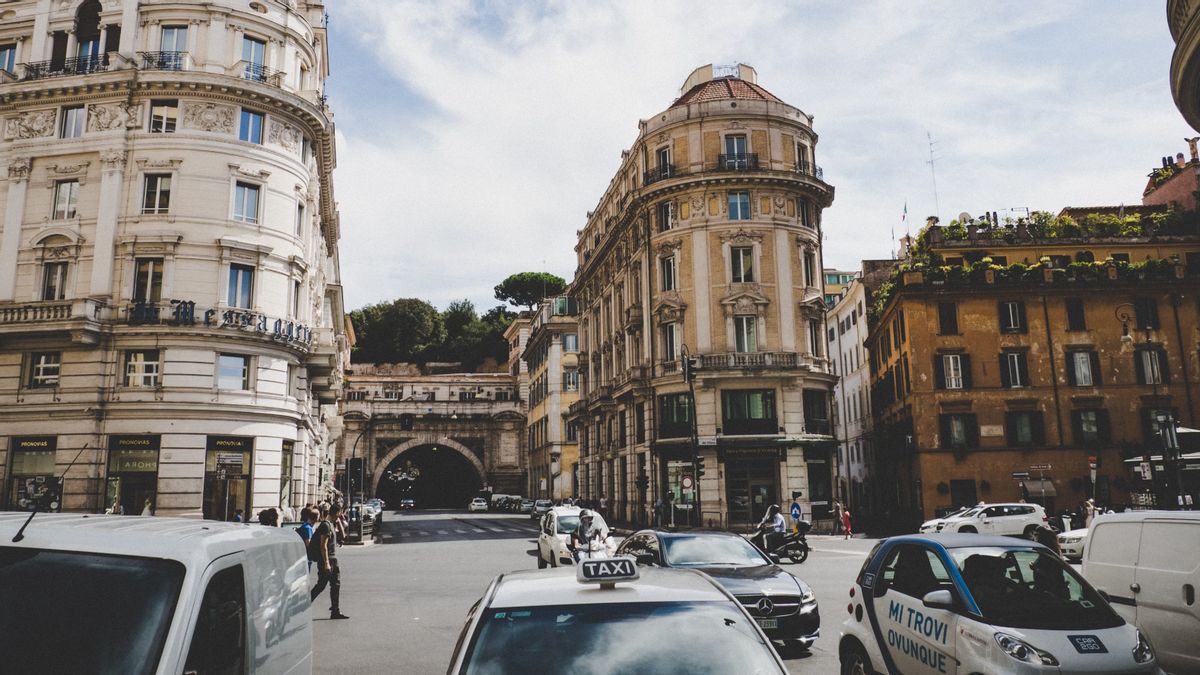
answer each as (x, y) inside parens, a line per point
(474, 137)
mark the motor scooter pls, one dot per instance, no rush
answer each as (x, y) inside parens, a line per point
(792, 545)
(596, 548)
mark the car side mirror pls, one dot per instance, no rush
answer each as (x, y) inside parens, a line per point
(942, 599)
(774, 557)
(645, 558)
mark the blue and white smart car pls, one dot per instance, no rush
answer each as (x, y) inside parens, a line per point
(967, 603)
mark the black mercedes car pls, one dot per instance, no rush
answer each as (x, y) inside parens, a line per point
(783, 605)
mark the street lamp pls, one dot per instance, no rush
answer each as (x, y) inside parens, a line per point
(1125, 313)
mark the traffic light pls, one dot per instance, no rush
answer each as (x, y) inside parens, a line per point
(699, 466)
(690, 365)
(642, 482)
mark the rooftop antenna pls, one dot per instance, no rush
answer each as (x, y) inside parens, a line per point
(937, 209)
(21, 532)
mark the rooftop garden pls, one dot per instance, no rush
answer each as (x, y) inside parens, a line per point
(1043, 225)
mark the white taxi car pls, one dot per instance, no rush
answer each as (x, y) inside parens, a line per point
(982, 604)
(1016, 519)
(1071, 544)
(556, 528)
(477, 505)
(609, 616)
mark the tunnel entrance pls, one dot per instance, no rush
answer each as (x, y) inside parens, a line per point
(433, 476)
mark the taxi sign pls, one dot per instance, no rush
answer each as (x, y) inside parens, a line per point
(606, 571)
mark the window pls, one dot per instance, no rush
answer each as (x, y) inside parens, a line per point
(947, 318)
(663, 158)
(748, 411)
(814, 337)
(914, 571)
(1012, 317)
(251, 129)
(953, 371)
(300, 219)
(639, 423)
(746, 333)
(44, 368)
(245, 202)
(816, 412)
(8, 58)
(666, 268)
(233, 371)
(147, 280)
(1146, 313)
(735, 153)
(253, 53)
(295, 299)
(241, 286)
(141, 368)
(1090, 427)
(1024, 428)
(164, 116)
(156, 196)
(570, 379)
(742, 259)
(959, 430)
(66, 199)
(810, 269)
(1153, 420)
(1083, 368)
(1151, 365)
(73, 119)
(174, 39)
(570, 342)
(739, 205)
(1014, 369)
(802, 210)
(219, 641)
(669, 341)
(675, 419)
(54, 281)
(1075, 316)
(663, 216)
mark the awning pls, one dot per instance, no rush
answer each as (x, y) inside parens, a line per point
(1039, 487)
(1187, 456)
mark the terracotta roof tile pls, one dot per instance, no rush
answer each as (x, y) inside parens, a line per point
(725, 88)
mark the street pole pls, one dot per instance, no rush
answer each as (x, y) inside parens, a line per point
(689, 375)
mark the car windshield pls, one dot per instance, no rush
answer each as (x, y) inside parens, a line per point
(543, 502)
(965, 514)
(1031, 588)
(83, 612)
(567, 524)
(707, 551)
(691, 638)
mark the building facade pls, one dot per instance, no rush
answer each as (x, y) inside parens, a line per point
(1036, 360)
(552, 355)
(706, 244)
(172, 335)
(846, 333)
(1183, 18)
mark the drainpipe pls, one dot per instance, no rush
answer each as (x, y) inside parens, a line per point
(1187, 378)
(1053, 372)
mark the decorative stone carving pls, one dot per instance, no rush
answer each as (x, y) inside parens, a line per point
(735, 124)
(113, 116)
(284, 134)
(742, 237)
(57, 172)
(670, 308)
(663, 138)
(748, 301)
(19, 167)
(779, 202)
(159, 163)
(113, 159)
(209, 117)
(33, 124)
(669, 246)
(237, 170)
(698, 204)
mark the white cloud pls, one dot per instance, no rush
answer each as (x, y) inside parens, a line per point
(479, 135)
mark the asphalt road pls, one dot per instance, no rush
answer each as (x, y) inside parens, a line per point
(408, 595)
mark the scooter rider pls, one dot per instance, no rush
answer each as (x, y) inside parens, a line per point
(585, 533)
(773, 527)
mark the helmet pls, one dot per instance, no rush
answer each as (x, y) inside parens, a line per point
(585, 514)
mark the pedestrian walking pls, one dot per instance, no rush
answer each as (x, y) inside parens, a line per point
(603, 507)
(797, 514)
(837, 517)
(1089, 512)
(846, 523)
(148, 508)
(328, 572)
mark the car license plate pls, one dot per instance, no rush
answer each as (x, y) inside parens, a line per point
(767, 624)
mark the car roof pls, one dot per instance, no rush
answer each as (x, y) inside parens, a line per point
(531, 588)
(956, 540)
(191, 541)
(670, 534)
(1130, 516)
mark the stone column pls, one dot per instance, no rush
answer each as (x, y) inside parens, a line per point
(784, 251)
(103, 46)
(129, 29)
(72, 44)
(40, 49)
(10, 241)
(111, 178)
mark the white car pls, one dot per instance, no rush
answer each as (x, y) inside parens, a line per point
(963, 604)
(935, 525)
(1019, 520)
(1071, 544)
(557, 526)
(477, 504)
(540, 507)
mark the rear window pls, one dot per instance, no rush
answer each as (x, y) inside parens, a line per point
(69, 612)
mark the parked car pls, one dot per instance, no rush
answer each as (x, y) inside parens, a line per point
(971, 603)
(98, 593)
(540, 507)
(935, 525)
(477, 504)
(557, 526)
(1148, 565)
(526, 506)
(408, 504)
(1020, 520)
(1072, 543)
(781, 604)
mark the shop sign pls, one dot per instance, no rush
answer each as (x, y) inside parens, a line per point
(230, 459)
(728, 453)
(33, 443)
(184, 313)
(134, 442)
(231, 443)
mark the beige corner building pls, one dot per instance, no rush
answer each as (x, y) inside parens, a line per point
(171, 325)
(552, 355)
(707, 241)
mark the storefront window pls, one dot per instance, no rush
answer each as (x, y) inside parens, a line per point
(33, 484)
(132, 487)
(679, 487)
(748, 411)
(227, 477)
(285, 475)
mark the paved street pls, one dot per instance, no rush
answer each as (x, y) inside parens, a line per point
(408, 597)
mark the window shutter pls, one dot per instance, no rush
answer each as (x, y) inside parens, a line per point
(1023, 369)
(1148, 429)
(1139, 366)
(972, 425)
(1039, 429)
(1022, 324)
(1077, 426)
(1094, 357)
(1103, 430)
(965, 361)
(1072, 378)
(944, 431)
(1010, 428)
(1162, 365)
(939, 371)
(1002, 316)
(1005, 380)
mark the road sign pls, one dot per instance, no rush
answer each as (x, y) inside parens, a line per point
(1039, 467)
(1020, 475)
(1144, 469)
(686, 482)
(706, 441)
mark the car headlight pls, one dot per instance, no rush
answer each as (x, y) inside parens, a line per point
(807, 595)
(1023, 651)
(1143, 652)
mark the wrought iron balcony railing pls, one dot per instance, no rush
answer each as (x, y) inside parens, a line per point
(260, 73)
(660, 172)
(165, 60)
(809, 169)
(82, 65)
(742, 161)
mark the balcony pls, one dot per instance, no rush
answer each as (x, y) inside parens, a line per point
(257, 72)
(809, 169)
(742, 161)
(660, 172)
(818, 426)
(81, 318)
(82, 65)
(748, 360)
(633, 318)
(165, 60)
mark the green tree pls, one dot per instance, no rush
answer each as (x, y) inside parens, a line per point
(528, 288)
(404, 330)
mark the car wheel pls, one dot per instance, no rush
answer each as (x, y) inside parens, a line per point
(541, 561)
(855, 661)
(1031, 532)
(967, 530)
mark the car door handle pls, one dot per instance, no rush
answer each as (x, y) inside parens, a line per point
(1136, 588)
(1189, 594)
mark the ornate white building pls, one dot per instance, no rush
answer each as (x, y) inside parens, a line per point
(171, 315)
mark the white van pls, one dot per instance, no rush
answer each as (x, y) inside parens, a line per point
(1148, 564)
(87, 593)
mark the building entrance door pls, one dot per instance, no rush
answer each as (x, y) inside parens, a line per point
(751, 487)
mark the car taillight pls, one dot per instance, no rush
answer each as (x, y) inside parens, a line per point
(852, 591)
